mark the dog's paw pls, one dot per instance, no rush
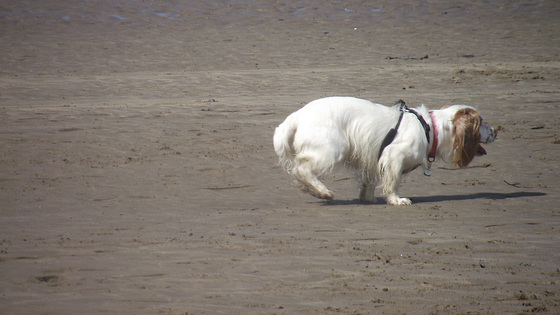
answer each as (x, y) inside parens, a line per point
(321, 194)
(396, 201)
(404, 202)
(328, 195)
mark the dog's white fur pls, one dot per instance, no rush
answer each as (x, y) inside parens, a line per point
(345, 130)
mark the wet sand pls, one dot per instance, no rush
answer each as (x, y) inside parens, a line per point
(137, 174)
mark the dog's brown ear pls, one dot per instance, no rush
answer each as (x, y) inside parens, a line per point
(466, 128)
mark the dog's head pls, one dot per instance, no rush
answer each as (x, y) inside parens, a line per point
(469, 132)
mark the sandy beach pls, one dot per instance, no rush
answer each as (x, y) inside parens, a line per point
(137, 174)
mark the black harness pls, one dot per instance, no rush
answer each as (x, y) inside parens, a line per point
(393, 132)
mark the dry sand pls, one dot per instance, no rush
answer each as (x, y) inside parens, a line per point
(137, 174)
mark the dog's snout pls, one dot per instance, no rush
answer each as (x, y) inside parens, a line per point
(488, 133)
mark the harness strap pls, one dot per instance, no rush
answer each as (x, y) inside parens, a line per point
(423, 122)
(393, 132)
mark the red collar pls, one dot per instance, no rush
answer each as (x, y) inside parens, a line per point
(432, 155)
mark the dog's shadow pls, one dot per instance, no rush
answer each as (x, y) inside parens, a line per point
(440, 198)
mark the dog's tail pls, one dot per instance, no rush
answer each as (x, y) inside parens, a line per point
(283, 143)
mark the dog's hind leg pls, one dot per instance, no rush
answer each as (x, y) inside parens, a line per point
(367, 188)
(367, 193)
(306, 173)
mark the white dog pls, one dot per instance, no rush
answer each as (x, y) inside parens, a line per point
(357, 133)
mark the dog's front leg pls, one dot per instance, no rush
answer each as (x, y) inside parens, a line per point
(391, 174)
